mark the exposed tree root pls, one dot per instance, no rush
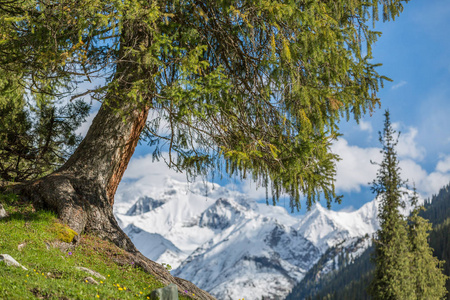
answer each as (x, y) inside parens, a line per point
(83, 205)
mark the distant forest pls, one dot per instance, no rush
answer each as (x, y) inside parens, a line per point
(351, 280)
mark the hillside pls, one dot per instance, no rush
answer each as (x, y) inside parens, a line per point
(349, 281)
(42, 245)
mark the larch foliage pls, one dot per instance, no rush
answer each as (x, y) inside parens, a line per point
(252, 88)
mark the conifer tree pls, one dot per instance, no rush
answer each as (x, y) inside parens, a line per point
(255, 88)
(426, 270)
(392, 278)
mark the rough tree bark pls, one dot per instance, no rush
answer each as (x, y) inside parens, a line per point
(82, 190)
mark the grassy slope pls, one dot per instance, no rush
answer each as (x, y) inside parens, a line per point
(51, 273)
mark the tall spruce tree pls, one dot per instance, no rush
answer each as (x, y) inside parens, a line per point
(392, 278)
(426, 270)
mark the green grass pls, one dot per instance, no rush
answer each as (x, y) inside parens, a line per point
(51, 273)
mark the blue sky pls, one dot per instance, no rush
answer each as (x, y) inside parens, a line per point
(415, 52)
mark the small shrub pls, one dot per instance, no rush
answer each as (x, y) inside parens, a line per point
(167, 266)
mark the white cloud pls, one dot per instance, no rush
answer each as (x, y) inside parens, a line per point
(407, 146)
(250, 188)
(412, 172)
(145, 176)
(396, 126)
(444, 165)
(347, 209)
(253, 190)
(365, 126)
(427, 184)
(354, 169)
(433, 182)
(144, 166)
(399, 85)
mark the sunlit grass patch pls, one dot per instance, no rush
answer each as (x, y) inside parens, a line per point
(30, 236)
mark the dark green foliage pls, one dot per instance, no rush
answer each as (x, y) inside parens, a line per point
(255, 88)
(425, 269)
(35, 140)
(440, 243)
(437, 209)
(349, 284)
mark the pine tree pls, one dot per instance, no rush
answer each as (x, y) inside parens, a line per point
(392, 278)
(426, 270)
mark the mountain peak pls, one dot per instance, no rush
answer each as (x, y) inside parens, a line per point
(144, 205)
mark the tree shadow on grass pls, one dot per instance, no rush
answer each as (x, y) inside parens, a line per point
(18, 209)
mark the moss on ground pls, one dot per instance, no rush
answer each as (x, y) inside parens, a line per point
(63, 232)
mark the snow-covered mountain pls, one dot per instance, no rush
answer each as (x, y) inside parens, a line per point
(345, 233)
(326, 228)
(230, 245)
(249, 256)
(222, 241)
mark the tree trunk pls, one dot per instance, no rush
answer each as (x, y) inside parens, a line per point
(82, 190)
